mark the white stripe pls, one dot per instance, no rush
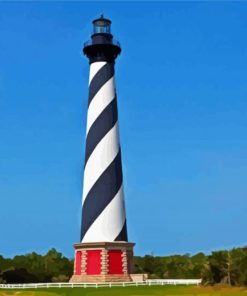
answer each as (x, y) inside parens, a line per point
(94, 68)
(109, 223)
(103, 154)
(102, 99)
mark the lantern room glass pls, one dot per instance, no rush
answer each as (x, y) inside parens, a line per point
(102, 26)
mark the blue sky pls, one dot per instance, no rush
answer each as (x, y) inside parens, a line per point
(181, 83)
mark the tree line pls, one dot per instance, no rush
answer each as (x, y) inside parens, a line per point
(35, 268)
(220, 267)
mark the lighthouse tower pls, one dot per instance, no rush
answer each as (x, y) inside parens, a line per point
(104, 253)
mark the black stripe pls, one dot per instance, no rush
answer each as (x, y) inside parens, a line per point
(100, 78)
(101, 126)
(101, 194)
(123, 234)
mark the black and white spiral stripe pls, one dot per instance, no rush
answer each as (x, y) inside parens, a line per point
(103, 210)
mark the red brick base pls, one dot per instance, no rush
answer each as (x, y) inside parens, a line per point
(105, 258)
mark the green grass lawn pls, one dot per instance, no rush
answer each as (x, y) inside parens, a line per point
(131, 291)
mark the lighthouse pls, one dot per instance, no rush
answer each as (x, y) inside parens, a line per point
(103, 253)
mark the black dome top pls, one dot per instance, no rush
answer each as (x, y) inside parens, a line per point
(102, 20)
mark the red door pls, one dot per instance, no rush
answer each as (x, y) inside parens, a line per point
(115, 262)
(93, 262)
(78, 263)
